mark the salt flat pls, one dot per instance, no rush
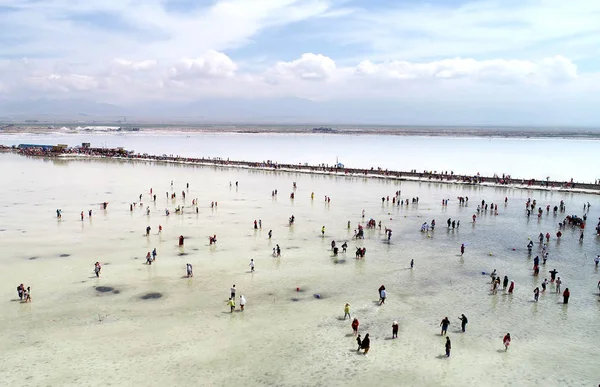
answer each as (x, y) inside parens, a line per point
(74, 335)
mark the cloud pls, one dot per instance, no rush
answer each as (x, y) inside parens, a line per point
(320, 50)
(56, 83)
(311, 76)
(309, 66)
(555, 69)
(135, 65)
(212, 65)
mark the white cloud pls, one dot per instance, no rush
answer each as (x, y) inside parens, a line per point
(548, 70)
(63, 83)
(309, 67)
(132, 50)
(135, 65)
(311, 76)
(212, 65)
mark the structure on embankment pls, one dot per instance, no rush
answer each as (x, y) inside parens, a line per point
(86, 150)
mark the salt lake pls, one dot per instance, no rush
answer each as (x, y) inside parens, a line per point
(72, 334)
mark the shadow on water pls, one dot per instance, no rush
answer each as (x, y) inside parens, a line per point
(441, 357)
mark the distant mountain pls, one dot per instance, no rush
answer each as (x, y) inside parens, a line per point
(300, 111)
(45, 109)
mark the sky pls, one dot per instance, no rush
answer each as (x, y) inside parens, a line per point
(504, 62)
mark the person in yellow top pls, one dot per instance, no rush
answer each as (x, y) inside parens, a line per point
(231, 303)
(347, 311)
(323, 231)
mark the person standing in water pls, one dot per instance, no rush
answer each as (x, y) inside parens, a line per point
(412, 263)
(536, 294)
(251, 264)
(462, 249)
(231, 304)
(242, 302)
(382, 296)
(270, 233)
(463, 322)
(323, 234)
(366, 344)
(448, 346)
(359, 342)
(566, 295)
(355, 324)
(444, 324)
(558, 282)
(233, 292)
(188, 268)
(511, 288)
(505, 282)
(506, 341)
(347, 310)
(97, 269)
(395, 330)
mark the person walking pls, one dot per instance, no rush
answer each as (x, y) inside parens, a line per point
(448, 346)
(366, 344)
(251, 264)
(382, 296)
(242, 302)
(566, 295)
(231, 304)
(355, 324)
(506, 341)
(444, 324)
(347, 310)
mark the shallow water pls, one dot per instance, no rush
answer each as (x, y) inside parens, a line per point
(557, 158)
(75, 333)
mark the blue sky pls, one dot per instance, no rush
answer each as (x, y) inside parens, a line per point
(527, 57)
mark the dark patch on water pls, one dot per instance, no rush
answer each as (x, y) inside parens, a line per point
(23, 232)
(106, 263)
(116, 291)
(292, 248)
(108, 193)
(195, 249)
(64, 255)
(32, 258)
(2, 229)
(151, 296)
(182, 254)
(104, 289)
(295, 299)
(338, 261)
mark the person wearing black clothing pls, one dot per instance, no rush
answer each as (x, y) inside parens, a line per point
(366, 343)
(463, 322)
